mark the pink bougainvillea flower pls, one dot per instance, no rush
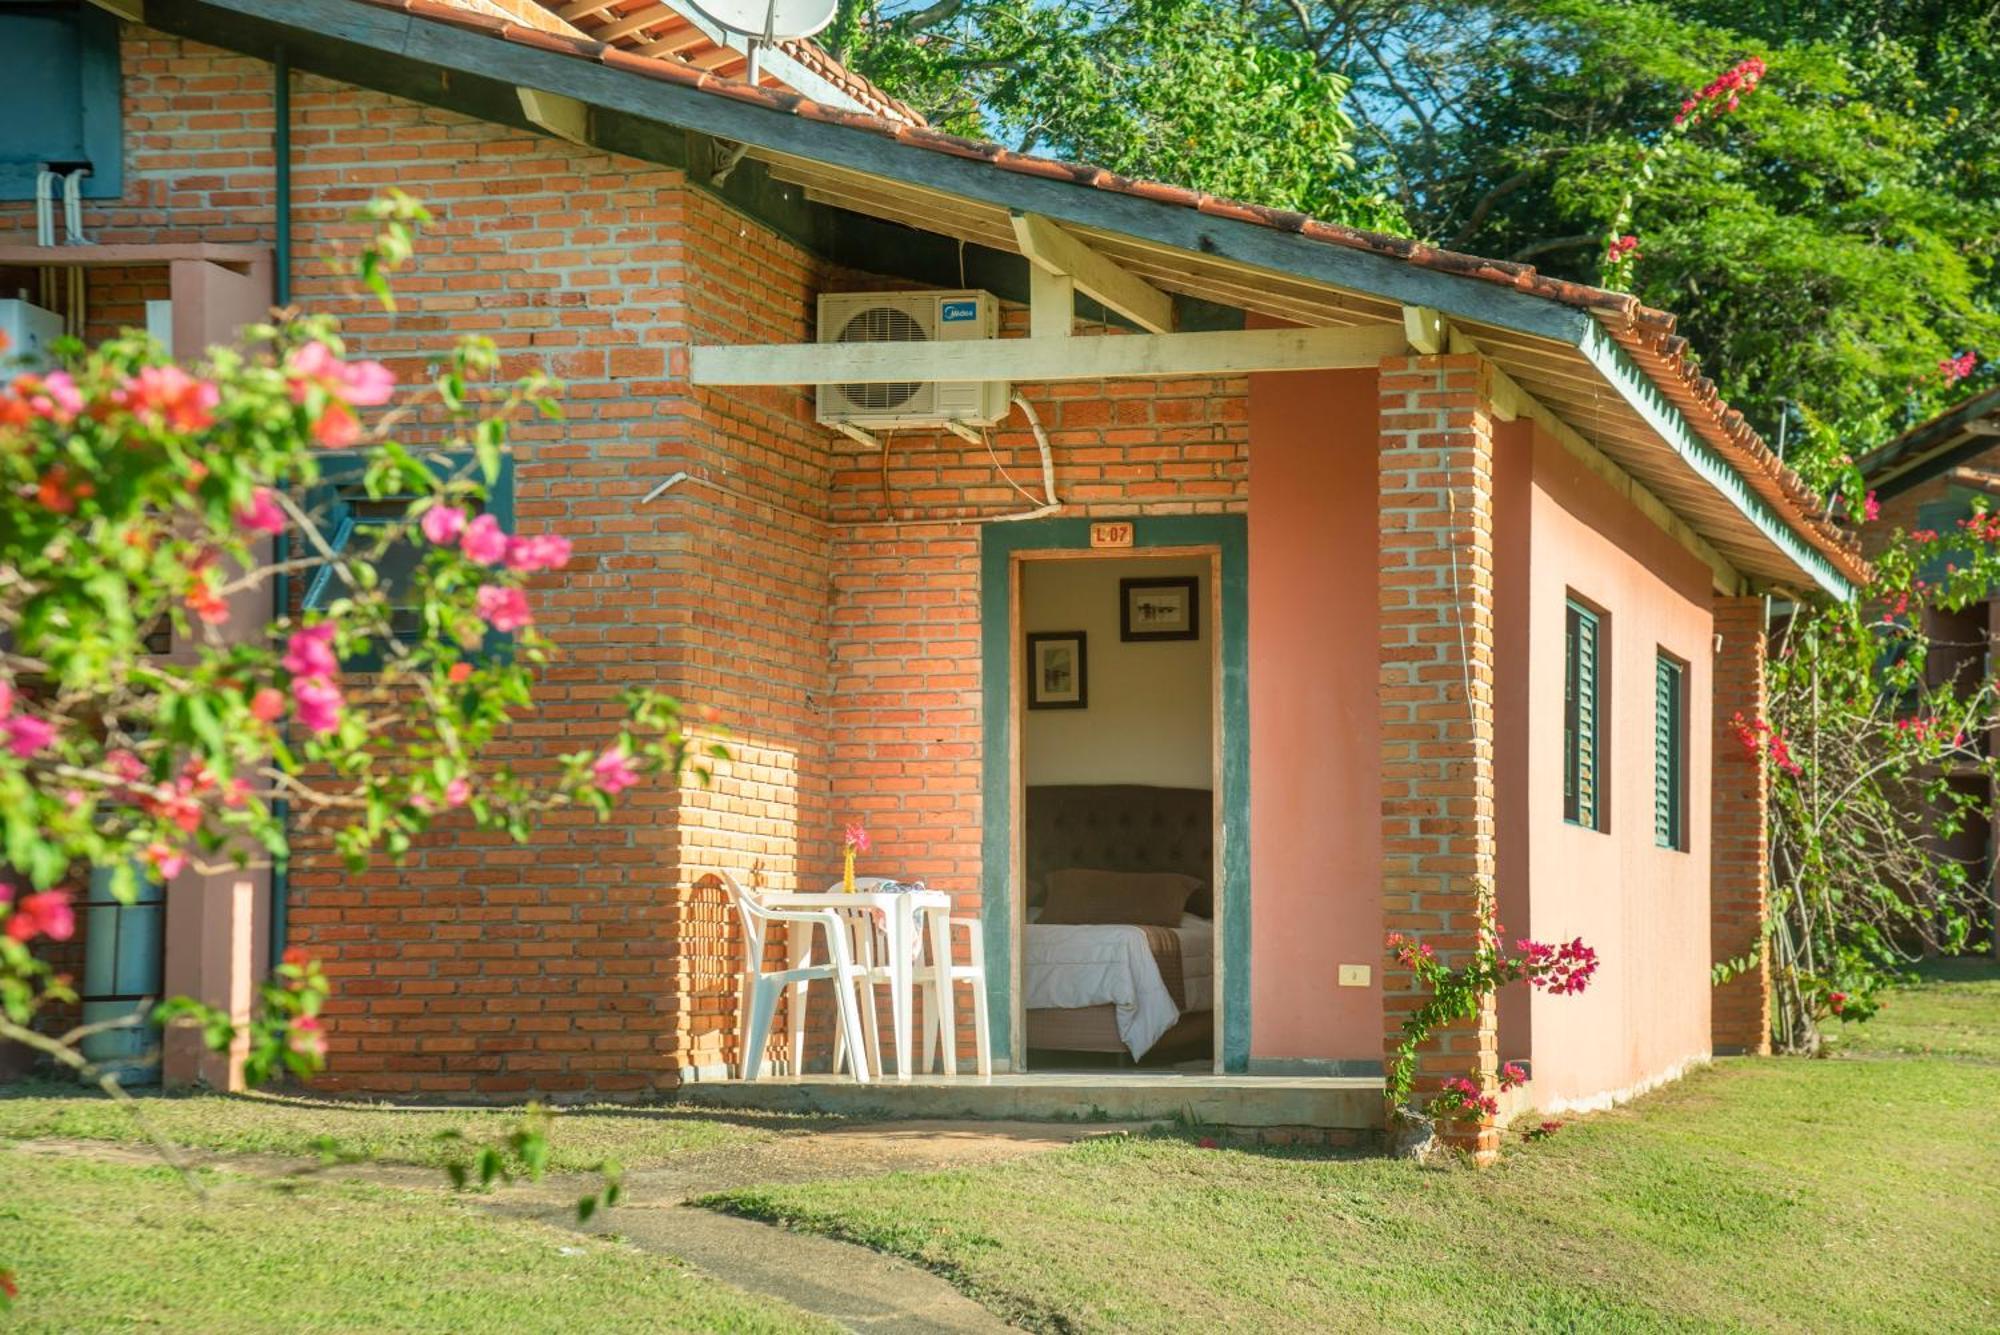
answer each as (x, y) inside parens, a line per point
(166, 861)
(538, 551)
(53, 396)
(364, 384)
(309, 652)
(612, 770)
(459, 673)
(1512, 1075)
(58, 492)
(262, 514)
(483, 541)
(1955, 369)
(1209, 1143)
(28, 735)
(295, 956)
(125, 765)
(6, 697)
(267, 705)
(46, 913)
(1837, 1002)
(503, 607)
(203, 600)
(457, 792)
(855, 836)
(306, 1036)
(336, 428)
(443, 523)
(168, 396)
(1871, 509)
(318, 701)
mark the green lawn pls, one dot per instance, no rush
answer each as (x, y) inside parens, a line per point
(579, 1138)
(1956, 1013)
(1859, 1193)
(116, 1246)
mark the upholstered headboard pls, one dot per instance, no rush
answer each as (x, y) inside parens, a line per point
(1122, 827)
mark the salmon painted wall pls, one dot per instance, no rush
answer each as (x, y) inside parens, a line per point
(1644, 908)
(1315, 753)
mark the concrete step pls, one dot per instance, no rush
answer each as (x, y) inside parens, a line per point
(1236, 1101)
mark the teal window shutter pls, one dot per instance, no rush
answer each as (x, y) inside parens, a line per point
(1670, 752)
(1583, 784)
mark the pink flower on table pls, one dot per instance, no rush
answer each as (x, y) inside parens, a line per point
(309, 652)
(443, 523)
(169, 396)
(483, 541)
(538, 551)
(503, 607)
(262, 514)
(855, 836)
(319, 702)
(613, 771)
(47, 913)
(28, 735)
(267, 705)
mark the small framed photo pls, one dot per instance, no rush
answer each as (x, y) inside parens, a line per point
(1058, 670)
(1159, 609)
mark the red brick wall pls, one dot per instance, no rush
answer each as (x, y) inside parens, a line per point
(1438, 841)
(1738, 855)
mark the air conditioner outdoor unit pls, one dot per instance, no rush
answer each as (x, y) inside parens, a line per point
(29, 330)
(911, 317)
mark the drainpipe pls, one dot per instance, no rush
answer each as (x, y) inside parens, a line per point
(281, 546)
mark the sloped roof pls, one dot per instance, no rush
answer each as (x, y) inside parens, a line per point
(1613, 368)
(675, 33)
(1967, 429)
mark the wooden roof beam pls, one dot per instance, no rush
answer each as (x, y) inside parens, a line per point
(1032, 360)
(1051, 247)
(563, 117)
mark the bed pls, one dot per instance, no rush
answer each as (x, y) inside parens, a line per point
(1120, 988)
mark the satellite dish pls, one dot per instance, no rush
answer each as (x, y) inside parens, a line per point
(767, 20)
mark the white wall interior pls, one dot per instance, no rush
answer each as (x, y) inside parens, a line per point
(1149, 713)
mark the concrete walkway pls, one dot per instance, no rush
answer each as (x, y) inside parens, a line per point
(855, 1287)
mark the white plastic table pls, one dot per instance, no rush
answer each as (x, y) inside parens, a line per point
(899, 915)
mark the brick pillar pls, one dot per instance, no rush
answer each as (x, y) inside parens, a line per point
(1436, 592)
(1740, 1020)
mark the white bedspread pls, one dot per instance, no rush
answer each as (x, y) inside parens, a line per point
(1096, 965)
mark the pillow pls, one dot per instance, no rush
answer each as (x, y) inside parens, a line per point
(1082, 895)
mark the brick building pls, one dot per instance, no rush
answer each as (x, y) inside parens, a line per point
(1476, 556)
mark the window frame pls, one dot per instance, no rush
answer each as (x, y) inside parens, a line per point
(326, 502)
(1577, 615)
(1672, 678)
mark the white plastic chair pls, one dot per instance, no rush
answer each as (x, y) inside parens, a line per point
(760, 990)
(956, 973)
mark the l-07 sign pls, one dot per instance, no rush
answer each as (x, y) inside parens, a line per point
(1117, 533)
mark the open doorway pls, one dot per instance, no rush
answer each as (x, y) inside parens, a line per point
(1117, 773)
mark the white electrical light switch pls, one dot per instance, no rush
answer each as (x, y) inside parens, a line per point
(1354, 975)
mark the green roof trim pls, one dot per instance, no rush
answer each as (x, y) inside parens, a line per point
(1639, 391)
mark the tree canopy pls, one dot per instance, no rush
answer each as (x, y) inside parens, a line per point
(1828, 243)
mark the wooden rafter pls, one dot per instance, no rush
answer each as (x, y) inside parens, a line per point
(1048, 246)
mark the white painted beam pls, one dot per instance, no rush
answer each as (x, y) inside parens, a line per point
(563, 117)
(1028, 360)
(1051, 303)
(1049, 246)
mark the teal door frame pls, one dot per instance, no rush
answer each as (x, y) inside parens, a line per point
(1000, 544)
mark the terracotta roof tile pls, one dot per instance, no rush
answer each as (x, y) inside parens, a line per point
(1644, 333)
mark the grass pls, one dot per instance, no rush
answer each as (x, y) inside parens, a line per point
(113, 1246)
(1851, 1194)
(580, 1138)
(1956, 1013)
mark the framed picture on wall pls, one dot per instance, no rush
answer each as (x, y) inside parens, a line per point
(1058, 670)
(1159, 608)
